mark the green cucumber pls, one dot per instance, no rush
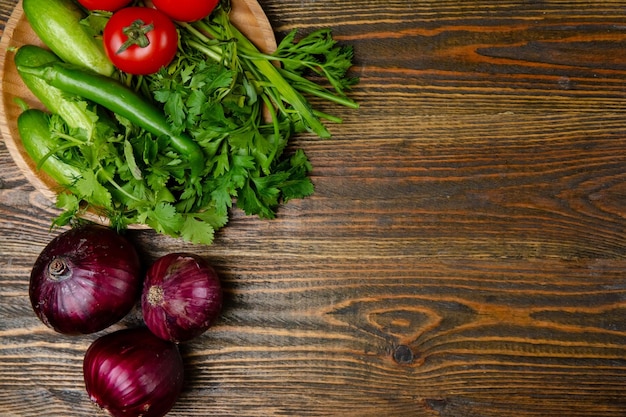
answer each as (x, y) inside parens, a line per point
(58, 24)
(38, 143)
(71, 109)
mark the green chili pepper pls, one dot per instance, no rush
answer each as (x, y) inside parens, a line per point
(55, 100)
(123, 101)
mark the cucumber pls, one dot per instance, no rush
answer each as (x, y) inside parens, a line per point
(35, 135)
(71, 109)
(57, 24)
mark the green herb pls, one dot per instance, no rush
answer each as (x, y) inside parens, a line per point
(129, 177)
(221, 111)
(283, 87)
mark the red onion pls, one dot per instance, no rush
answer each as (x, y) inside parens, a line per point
(181, 297)
(132, 373)
(85, 280)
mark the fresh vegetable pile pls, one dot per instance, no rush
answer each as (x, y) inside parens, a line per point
(89, 278)
(168, 115)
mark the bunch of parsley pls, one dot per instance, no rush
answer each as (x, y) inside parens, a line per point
(129, 177)
(283, 87)
(240, 105)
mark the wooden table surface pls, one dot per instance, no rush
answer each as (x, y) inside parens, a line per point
(464, 253)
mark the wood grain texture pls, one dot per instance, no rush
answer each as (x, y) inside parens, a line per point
(463, 255)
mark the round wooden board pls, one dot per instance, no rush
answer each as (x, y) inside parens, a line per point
(246, 15)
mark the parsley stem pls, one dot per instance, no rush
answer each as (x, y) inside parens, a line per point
(204, 43)
(328, 117)
(291, 96)
(310, 87)
(111, 181)
(277, 135)
(306, 85)
(270, 109)
(70, 138)
(52, 152)
(199, 29)
(207, 50)
(195, 32)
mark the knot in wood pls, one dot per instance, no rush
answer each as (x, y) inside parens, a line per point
(403, 355)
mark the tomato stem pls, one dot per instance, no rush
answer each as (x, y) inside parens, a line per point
(136, 33)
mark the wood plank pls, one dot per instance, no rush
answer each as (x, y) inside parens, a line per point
(463, 254)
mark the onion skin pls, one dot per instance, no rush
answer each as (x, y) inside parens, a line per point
(181, 298)
(85, 280)
(132, 373)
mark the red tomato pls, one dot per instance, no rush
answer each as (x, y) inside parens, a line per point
(140, 40)
(108, 5)
(186, 10)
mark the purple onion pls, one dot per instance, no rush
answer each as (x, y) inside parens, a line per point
(85, 280)
(132, 373)
(181, 297)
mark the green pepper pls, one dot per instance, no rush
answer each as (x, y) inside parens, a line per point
(55, 100)
(123, 101)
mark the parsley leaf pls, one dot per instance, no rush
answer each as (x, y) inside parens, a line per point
(90, 189)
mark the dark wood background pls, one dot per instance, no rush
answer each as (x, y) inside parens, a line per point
(464, 253)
